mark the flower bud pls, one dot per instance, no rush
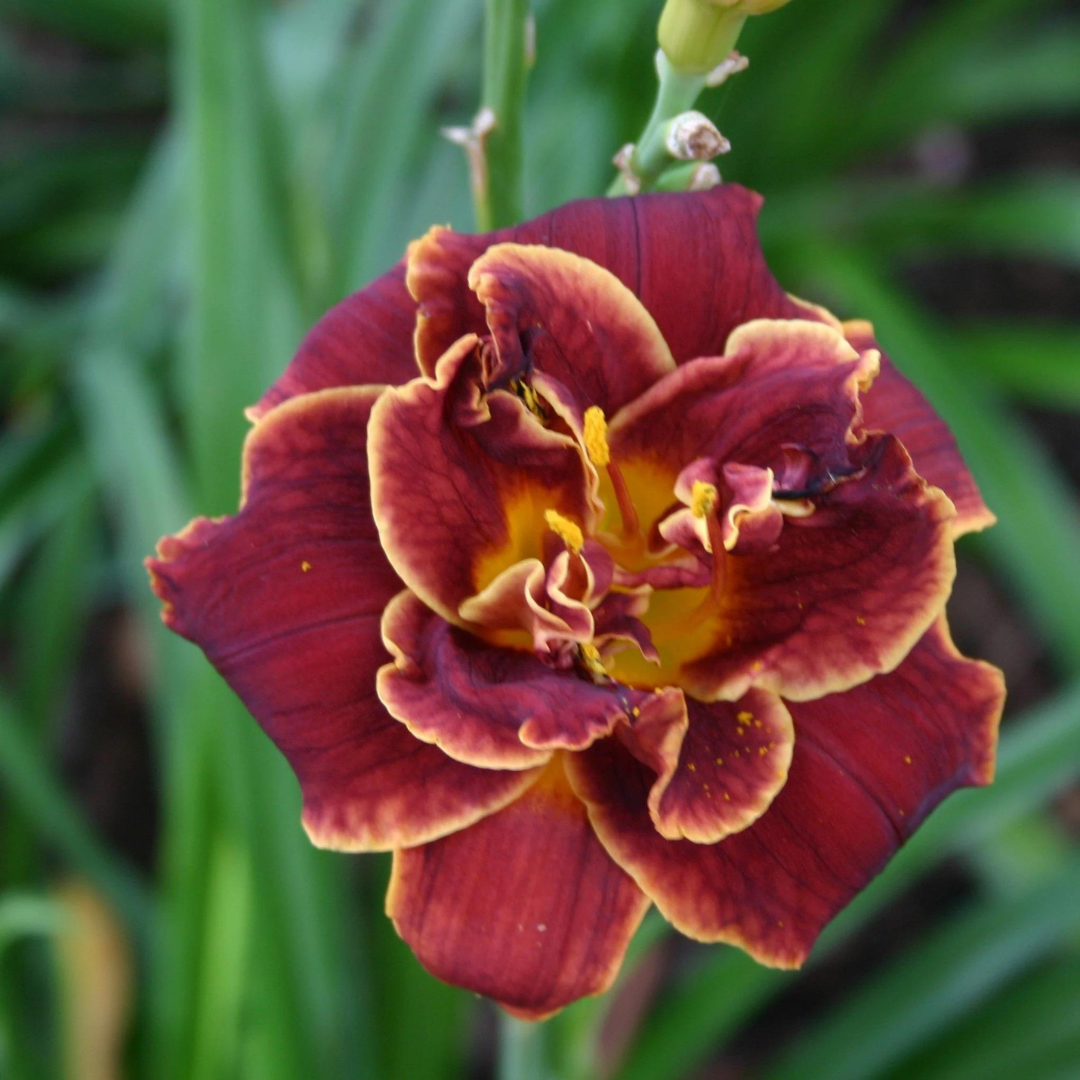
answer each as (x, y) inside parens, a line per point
(698, 35)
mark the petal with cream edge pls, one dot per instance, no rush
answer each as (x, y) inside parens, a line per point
(489, 706)
(461, 481)
(779, 384)
(571, 319)
(733, 761)
(526, 907)
(868, 766)
(699, 288)
(285, 598)
(846, 593)
(367, 339)
(896, 405)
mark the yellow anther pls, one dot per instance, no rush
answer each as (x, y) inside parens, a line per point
(305, 566)
(703, 498)
(744, 717)
(596, 444)
(529, 398)
(565, 529)
(591, 661)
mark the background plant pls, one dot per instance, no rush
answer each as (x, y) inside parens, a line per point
(183, 189)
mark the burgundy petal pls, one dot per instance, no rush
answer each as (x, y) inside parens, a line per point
(488, 706)
(461, 481)
(869, 765)
(525, 907)
(571, 319)
(692, 259)
(285, 598)
(366, 339)
(895, 405)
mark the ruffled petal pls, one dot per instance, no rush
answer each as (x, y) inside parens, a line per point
(868, 766)
(461, 481)
(571, 319)
(526, 907)
(285, 598)
(488, 706)
(846, 594)
(692, 259)
(895, 405)
(367, 339)
(734, 759)
(780, 384)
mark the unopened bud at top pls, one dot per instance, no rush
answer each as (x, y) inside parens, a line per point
(698, 35)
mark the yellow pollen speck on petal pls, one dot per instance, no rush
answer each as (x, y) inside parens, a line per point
(762, 751)
(305, 566)
(635, 711)
(860, 620)
(907, 759)
(745, 717)
(719, 761)
(692, 767)
(703, 498)
(756, 665)
(596, 444)
(565, 529)
(727, 797)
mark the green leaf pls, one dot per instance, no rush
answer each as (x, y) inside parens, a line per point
(931, 986)
(32, 786)
(411, 48)
(1030, 1029)
(1037, 363)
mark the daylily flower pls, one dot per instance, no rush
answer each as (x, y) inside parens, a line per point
(585, 569)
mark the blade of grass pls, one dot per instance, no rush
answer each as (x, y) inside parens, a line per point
(959, 967)
(1031, 1029)
(1038, 363)
(31, 785)
(394, 74)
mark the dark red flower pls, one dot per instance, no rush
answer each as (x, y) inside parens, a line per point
(584, 569)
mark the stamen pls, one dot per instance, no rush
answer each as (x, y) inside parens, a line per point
(703, 499)
(591, 662)
(566, 530)
(596, 444)
(529, 397)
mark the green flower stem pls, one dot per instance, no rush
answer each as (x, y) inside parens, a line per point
(676, 93)
(499, 190)
(521, 1049)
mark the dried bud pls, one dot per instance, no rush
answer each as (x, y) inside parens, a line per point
(692, 136)
(723, 71)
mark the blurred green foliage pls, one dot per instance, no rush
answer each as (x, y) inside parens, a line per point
(184, 188)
